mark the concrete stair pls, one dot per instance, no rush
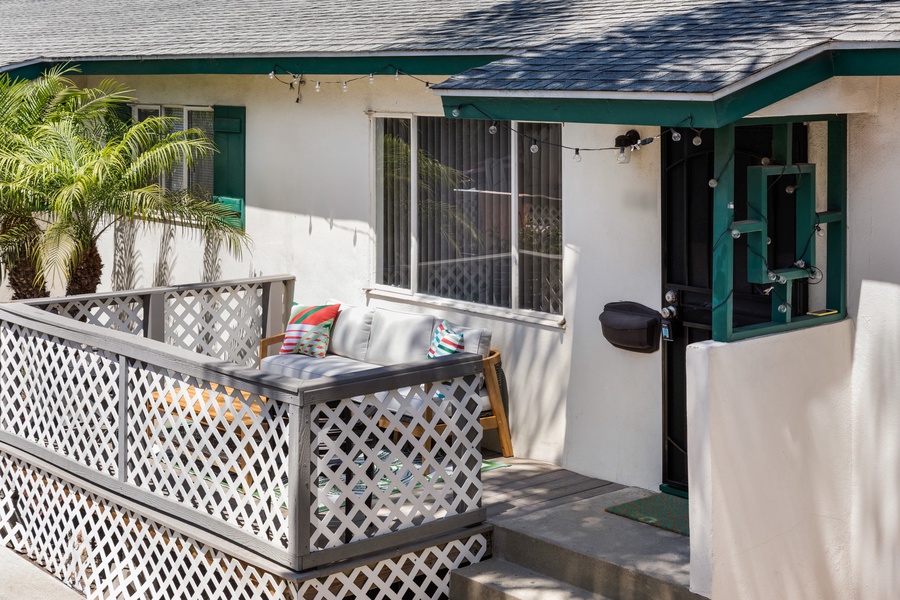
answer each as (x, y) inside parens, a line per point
(578, 550)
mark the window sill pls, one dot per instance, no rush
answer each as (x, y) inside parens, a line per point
(482, 310)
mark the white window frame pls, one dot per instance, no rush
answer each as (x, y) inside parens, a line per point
(515, 313)
(185, 110)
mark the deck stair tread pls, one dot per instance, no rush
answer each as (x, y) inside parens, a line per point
(497, 579)
(551, 525)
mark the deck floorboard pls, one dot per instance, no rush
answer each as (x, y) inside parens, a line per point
(529, 485)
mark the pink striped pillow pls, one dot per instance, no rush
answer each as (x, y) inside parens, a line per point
(309, 330)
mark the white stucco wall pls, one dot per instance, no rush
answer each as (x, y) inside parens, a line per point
(770, 439)
(575, 400)
(795, 438)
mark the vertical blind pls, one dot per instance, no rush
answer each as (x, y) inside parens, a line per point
(464, 211)
(540, 213)
(464, 221)
(200, 174)
(393, 189)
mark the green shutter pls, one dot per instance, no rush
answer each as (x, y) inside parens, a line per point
(229, 164)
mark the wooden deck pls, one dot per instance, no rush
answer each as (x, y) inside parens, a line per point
(528, 485)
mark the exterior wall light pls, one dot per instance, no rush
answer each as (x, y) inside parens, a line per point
(628, 143)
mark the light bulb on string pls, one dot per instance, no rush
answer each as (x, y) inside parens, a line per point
(534, 147)
(765, 161)
(397, 75)
(577, 157)
(697, 141)
(318, 86)
(819, 231)
(676, 136)
(455, 111)
(344, 86)
(271, 74)
(782, 279)
(730, 206)
(371, 78)
(790, 189)
(713, 183)
(772, 276)
(735, 233)
(782, 308)
(493, 128)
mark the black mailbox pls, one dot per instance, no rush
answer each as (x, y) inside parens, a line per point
(631, 326)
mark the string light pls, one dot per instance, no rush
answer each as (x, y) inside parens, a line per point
(697, 141)
(735, 233)
(577, 157)
(455, 112)
(271, 74)
(676, 137)
(344, 87)
(534, 147)
(713, 183)
(371, 78)
(493, 128)
(318, 86)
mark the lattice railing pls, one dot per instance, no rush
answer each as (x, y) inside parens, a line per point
(304, 474)
(223, 320)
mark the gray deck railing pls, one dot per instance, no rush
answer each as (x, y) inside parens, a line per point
(224, 319)
(301, 474)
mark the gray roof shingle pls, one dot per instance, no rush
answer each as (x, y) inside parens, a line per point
(584, 45)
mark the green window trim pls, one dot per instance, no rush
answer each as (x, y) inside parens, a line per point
(237, 206)
(833, 219)
(230, 161)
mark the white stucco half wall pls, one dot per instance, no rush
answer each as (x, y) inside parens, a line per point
(770, 465)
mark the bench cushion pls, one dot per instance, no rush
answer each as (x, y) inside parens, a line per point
(350, 335)
(399, 337)
(310, 367)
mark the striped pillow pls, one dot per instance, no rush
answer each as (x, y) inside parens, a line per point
(445, 341)
(309, 330)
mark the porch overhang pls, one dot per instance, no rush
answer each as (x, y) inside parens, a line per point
(706, 110)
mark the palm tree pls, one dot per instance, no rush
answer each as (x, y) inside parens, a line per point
(24, 105)
(79, 176)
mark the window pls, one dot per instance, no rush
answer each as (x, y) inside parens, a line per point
(218, 176)
(487, 224)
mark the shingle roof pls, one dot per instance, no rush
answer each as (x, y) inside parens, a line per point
(571, 45)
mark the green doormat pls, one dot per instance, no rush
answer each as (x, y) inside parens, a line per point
(660, 510)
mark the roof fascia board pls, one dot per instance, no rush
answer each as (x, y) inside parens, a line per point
(701, 110)
(412, 64)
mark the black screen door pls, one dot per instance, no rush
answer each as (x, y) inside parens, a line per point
(688, 241)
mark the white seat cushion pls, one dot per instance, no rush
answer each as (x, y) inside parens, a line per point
(399, 337)
(310, 367)
(350, 336)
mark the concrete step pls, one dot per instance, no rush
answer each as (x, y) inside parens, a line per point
(582, 545)
(497, 579)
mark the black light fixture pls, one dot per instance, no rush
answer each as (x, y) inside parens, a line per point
(628, 143)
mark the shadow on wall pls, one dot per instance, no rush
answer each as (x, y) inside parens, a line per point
(876, 459)
(127, 259)
(165, 260)
(212, 261)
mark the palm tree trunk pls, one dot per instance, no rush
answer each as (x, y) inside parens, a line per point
(86, 275)
(21, 280)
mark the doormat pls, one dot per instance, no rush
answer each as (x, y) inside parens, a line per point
(660, 510)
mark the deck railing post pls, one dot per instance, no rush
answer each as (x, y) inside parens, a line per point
(273, 308)
(155, 316)
(123, 419)
(298, 492)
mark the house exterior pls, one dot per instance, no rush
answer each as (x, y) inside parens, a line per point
(781, 425)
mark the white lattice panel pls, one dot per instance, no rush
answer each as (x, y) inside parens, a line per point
(224, 322)
(419, 575)
(393, 460)
(123, 313)
(221, 451)
(60, 395)
(105, 551)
